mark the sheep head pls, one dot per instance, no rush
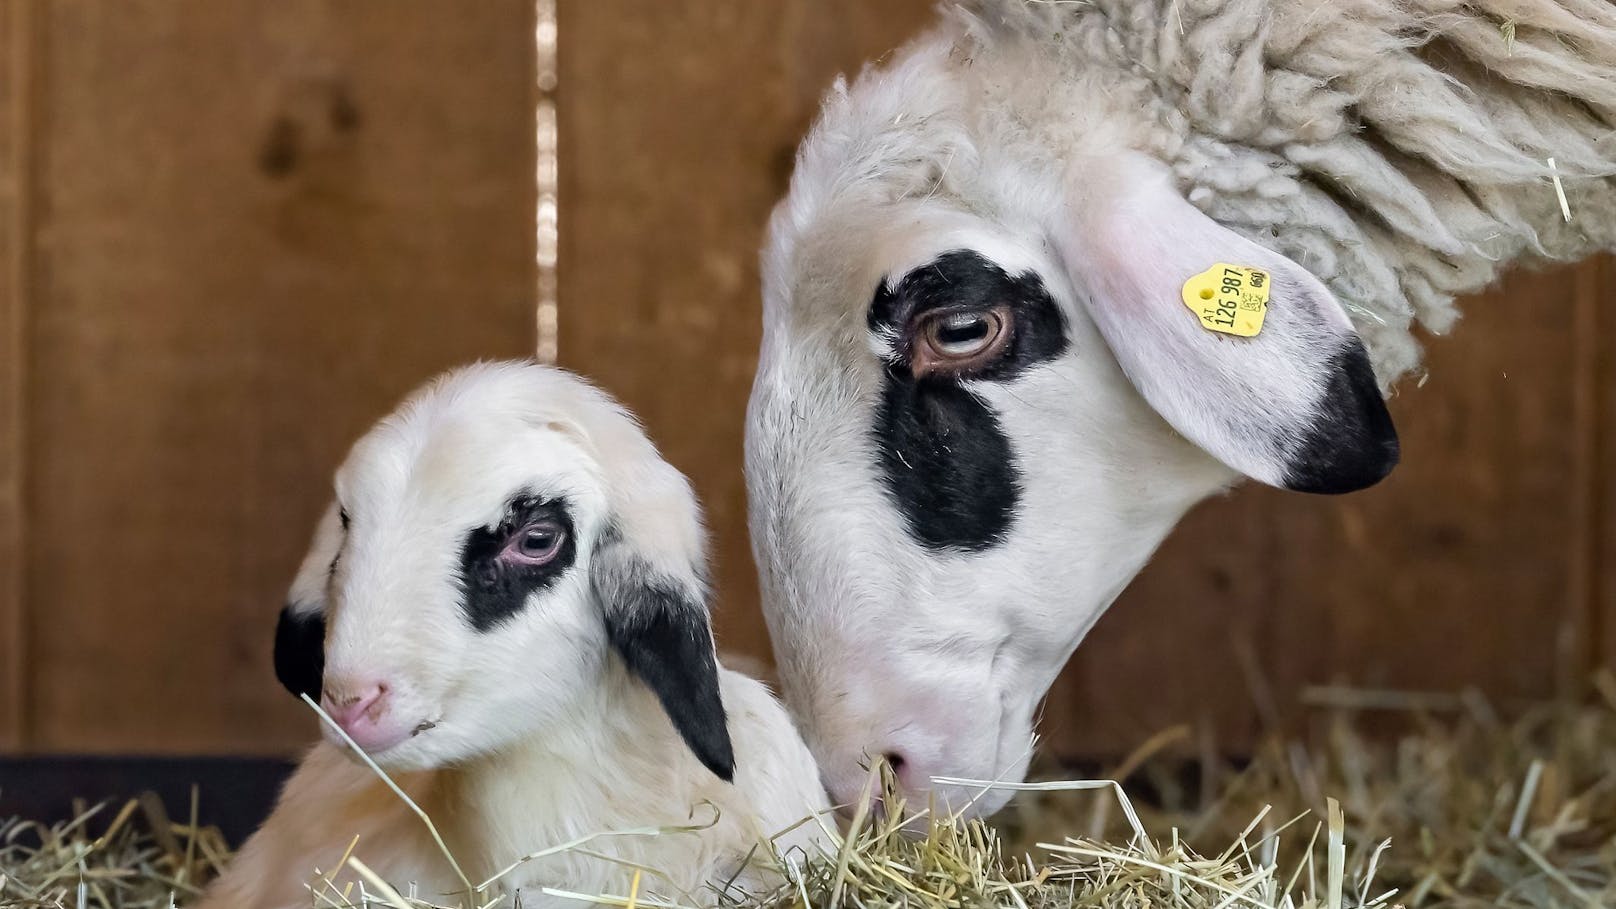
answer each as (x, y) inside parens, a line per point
(986, 389)
(493, 547)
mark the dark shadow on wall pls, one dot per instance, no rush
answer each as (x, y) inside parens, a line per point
(235, 794)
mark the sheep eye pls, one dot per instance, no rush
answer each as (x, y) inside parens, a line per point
(536, 544)
(952, 342)
(961, 334)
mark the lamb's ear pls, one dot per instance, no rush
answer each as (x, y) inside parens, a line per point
(657, 621)
(300, 632)
(1295, 405)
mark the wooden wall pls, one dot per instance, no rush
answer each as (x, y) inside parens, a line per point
(241, 231)
(233, 233)
(678, 129)
(14, 90)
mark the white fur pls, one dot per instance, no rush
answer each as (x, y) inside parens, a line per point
(540, 733)
(1385, 155)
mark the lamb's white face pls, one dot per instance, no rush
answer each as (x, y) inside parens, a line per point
(460, 589)
(491, 545)
(951, 478)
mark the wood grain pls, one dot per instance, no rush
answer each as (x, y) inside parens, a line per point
(678, 124)
(16, 59)
(1591, 295)
(1597, 294)
(1188, 625)
(1462, 569)
(261, 225)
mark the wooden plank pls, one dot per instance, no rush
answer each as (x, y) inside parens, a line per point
(265, 223)
(1596, 291)
(1592, 292)
(1462, 568)
(16, 56)
(678, 123)
(1180, 646)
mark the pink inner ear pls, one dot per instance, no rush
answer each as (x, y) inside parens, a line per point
(1130, 242)
(1136, 240)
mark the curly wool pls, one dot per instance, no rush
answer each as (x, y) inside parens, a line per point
(1398, 149)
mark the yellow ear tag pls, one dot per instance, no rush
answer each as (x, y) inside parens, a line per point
(1229, 298)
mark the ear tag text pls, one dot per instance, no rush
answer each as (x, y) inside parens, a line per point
(1232, 299)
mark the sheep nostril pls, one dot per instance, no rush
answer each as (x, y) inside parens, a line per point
(896, 764)
(350, 705)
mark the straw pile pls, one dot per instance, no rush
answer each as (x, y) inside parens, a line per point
(1460, 808)
(138, 859)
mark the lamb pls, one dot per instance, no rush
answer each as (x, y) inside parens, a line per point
(506, 608)
(986, 325)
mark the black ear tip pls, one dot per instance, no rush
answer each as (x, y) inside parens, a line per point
(665, 641)
(720, 760)
(300, 651)
(1352, 444)
(702, 724)
(707, 739)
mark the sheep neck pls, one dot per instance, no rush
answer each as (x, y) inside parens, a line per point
(611, 767)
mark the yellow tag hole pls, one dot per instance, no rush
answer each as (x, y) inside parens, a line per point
(1207, 293)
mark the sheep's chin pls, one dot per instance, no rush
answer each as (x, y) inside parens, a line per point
(424, 750)
(408, 755)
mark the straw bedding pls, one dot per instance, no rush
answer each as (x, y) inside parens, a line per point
(1462, 807)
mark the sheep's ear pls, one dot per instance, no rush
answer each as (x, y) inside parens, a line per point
(300, 650)
(1294, 404)
(657, 621)
(300, 632)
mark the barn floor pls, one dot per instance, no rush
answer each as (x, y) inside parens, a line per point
(1482, 806)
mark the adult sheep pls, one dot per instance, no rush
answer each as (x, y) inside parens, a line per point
(982, 400)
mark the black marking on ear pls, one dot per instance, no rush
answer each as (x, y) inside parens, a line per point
(300, 650)
(494, 590)
(1352, 444)
(945, 460)
(664, 640)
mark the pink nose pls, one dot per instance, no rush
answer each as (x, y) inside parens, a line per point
(362, 713)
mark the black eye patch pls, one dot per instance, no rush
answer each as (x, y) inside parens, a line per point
(494, 590)
(944, 459)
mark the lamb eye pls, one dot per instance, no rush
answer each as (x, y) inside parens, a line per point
(960, 341)
(536, 544)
